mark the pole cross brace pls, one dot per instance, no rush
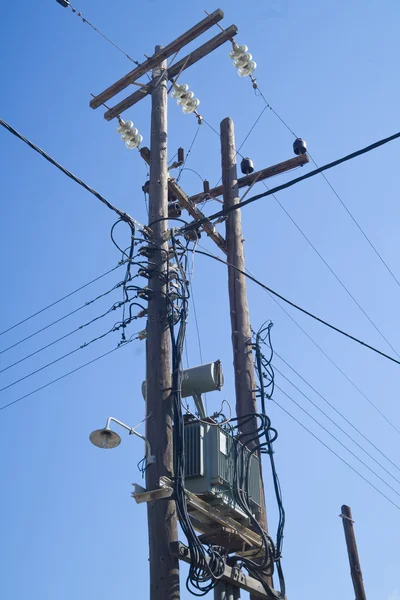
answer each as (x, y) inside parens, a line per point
(231, 574)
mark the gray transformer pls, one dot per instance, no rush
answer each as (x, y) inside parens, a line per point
(209, 468)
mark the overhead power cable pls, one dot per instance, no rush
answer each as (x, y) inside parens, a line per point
(188, 153)
(219, 135)
(63, 298)
(251, 129)
(46, 385)
(61, 318)
(67, 335)
(53, 362)
(340, 414)
(299, 308)
(288, 184)
(346, 289)
(339, 427)
(84, 20)
(336, 454)
(124, 216)
(334, 437)
(352, 217)
(339, 369)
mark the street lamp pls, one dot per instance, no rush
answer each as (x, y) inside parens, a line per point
(106, 438)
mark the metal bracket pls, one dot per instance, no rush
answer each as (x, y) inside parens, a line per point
(347, 518)
(140, 494)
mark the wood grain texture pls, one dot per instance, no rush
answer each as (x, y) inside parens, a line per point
(162, 520)
(175, 69)
(184, 202)
(245, 384)
(157, 58)
(282, 167)
(354, 560)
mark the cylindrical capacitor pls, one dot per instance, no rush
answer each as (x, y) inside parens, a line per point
(299, 146)
(174, 210)
(247, 166)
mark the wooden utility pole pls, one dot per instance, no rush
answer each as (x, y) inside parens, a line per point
(162, 520)
(355, 567)
(165, 550)
(240, 322)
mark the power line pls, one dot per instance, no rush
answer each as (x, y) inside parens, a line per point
(53, 362)
(216, 132)
(334, 437)
(246, 138)
(62, 318)
(333, 273)
(336, 194)
(332, 361)
(114, 307)
(195, 172)
(292, 182)
(374, 248)
(251, 128)
(334, 422)
(63, 298)
(84, 20)
(124, 216)
(336, 454)
(274, 111)
(188, 152)
(65, 375)
(303, 310)
(312, 245)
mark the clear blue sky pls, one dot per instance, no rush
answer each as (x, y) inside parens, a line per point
(69, 526)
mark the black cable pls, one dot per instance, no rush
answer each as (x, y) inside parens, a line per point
(266, 381)
(335, 453)
(62, 318)
(84, 20)
(344, 418)
(352, 217)
(344, 432)
(124, 216)
(63, 376)
(303, 310)
(113, 307)
(61, 299)
(123, 252)
(292, 182)
(188, 153)
(335, 438)
(116, 327)
(195, 172)
(346, 289)
(355, 386)
(203, 574)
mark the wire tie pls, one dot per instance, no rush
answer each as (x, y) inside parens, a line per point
(346, 517)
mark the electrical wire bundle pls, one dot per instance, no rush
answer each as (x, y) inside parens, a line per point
(206, 564)
(265, 375)
(244, 447)
(127, 304)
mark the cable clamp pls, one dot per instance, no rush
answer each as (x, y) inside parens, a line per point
(346, 517)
